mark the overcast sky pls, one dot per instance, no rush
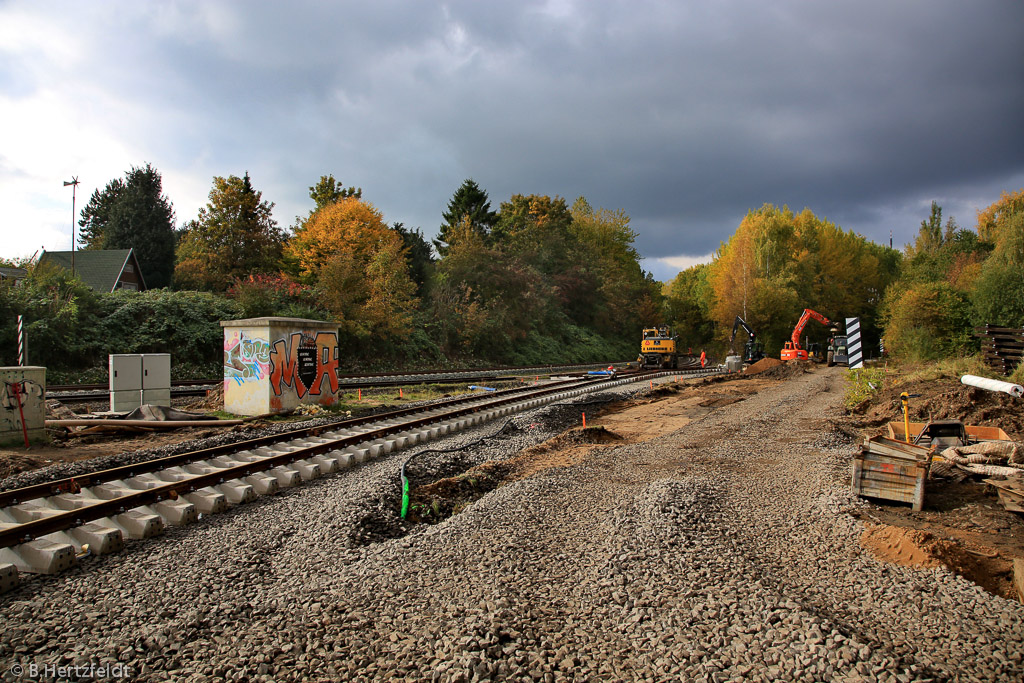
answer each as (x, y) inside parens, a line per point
(684, 114)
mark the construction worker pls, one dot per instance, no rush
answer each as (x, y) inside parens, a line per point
(703, 358)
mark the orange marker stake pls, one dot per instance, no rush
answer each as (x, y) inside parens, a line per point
(584, 420)
(399, 392)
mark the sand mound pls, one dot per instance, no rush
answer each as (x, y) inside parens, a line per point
(762, 365)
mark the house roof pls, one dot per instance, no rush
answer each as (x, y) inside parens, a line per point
(100, 269)
(15, 273)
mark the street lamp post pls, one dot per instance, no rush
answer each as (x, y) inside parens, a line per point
(74, 186)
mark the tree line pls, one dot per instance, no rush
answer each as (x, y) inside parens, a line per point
(535, 280)
(919, 304)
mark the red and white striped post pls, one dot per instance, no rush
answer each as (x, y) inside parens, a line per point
(22, 347)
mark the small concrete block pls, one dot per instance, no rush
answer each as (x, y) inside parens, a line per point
(360, 454)
(176, 512)
(29, 512)
(44, 557)
(411, 438)
(375, 449)
(207, 501)
(328, 465)
(308, 470)
(137, 524)
(101, 539)
(236, 492)
(346, 459)
(285, 476)
(262, 483)
(71, 501)
(9, 578)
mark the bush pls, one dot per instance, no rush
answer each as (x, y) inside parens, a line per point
(275, 295)
(183, 324)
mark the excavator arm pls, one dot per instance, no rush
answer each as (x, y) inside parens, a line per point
(799, 329)
(738, 324)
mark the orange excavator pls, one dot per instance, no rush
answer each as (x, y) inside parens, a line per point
(792, 349)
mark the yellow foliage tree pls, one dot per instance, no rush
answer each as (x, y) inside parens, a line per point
(359, 268)
(992, 220)
(348, 224)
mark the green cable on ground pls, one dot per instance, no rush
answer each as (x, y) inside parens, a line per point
(405, 496)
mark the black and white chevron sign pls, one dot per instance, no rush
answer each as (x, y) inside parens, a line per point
(853, 344)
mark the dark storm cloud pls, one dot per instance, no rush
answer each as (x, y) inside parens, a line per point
(686, 115)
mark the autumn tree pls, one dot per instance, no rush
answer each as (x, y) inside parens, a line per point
(233, 237)
(133, 213)
(471, 205)
(778, 263)
(358, 266)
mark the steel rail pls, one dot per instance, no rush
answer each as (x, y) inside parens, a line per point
(28, 531)
(351, 377)
(69, 484)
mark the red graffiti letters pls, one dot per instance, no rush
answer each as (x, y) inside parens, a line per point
(303, 362)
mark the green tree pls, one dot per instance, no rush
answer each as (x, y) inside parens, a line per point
(60, 315)
(612, 286)
(468, 203)
(133, 213)
(328, 190)
(482, 302)
(418, 254)
(926, 321)
(998, 295)
(536, 229)
(688, 306)
(234, 236)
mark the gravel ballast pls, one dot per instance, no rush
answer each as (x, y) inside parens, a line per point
(721, 552)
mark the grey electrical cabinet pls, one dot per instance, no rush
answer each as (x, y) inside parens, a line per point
(139, 378)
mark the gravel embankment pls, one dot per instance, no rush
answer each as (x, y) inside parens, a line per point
(720, 552)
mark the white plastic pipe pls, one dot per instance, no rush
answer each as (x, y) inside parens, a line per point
(993, 385)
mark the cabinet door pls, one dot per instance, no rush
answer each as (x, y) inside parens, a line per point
(156, 371)
(125, 372)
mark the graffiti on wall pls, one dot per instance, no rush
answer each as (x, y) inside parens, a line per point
(246, 358)
(26, 388)
(303, 362)
(22, 396)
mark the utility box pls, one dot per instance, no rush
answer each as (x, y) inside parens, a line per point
(27, 384)
(138, 379)
(273, 365)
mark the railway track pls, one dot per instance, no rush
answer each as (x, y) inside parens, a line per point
(46, 528)
(199, 387)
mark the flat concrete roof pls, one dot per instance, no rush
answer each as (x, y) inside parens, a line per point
(294, 322)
